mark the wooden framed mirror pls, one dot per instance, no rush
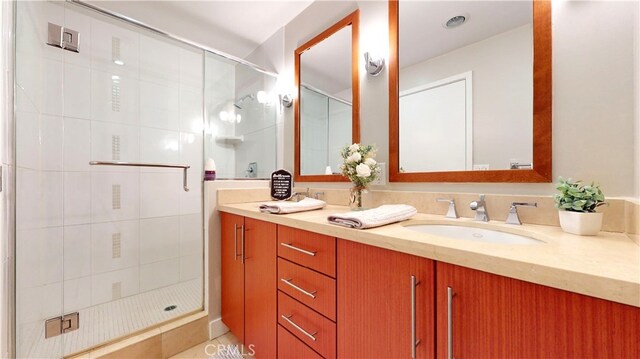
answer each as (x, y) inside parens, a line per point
(327, 105)
(470, 91)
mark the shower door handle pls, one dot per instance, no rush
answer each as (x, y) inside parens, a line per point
(155, 165)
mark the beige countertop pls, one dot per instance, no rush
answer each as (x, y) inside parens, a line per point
(606, 266)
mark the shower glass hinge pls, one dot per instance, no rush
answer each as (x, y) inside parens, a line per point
(63, 38)
(60, 325)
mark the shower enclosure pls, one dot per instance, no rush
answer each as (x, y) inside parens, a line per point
(241, 114)
(108, 227)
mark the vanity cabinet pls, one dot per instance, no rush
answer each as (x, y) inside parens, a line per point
(384, 297)
(248, 256)
(482, 315)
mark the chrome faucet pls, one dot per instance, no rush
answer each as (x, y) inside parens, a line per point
(480, 206)
(513, 218)
(451, 212)
(299, 196)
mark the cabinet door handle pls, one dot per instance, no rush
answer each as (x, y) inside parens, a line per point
(288, 282)
(290, 246)
(310, 335)
(243, 257)
(450, 295)
(235, 242)
(414, 340)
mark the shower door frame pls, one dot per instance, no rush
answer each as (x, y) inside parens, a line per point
(8, 179)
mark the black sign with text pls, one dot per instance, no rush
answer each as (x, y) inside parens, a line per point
(281, 185)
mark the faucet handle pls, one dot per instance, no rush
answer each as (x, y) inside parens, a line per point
(451, 212)
(513, 217)
(318, 194)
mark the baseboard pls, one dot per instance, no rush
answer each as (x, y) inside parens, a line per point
(217, 328)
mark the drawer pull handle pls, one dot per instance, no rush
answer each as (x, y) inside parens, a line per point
(450, 295)
(310, 335)
(290, 246)
(288, 282)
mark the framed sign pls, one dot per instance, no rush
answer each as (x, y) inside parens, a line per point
(281, 185)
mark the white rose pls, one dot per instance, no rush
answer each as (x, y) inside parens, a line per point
(354, 157)
(363, 170)
(370, 162)
(353, 148)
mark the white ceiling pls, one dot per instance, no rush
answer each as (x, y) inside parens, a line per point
(423, 37)
(235, 27)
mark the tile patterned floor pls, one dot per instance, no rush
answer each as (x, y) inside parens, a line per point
(108, 321)
(223, 347)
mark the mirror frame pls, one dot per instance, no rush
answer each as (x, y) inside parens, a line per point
(351, 19)
(542, 110)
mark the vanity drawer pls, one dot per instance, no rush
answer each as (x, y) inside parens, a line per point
(306, 325)
(313, 289)
(290, 347)
(311, 250)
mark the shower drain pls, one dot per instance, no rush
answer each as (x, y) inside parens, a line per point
(170, 308)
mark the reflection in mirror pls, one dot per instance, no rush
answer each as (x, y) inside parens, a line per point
(465, 85)
(325, 103)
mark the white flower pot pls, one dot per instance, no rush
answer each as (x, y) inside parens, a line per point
(583, 224)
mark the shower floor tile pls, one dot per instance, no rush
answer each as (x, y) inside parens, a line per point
(109, 321)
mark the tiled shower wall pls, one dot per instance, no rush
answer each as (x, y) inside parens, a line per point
(85, 234)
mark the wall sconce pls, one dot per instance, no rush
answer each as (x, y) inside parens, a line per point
(286, 100)
(372, 65)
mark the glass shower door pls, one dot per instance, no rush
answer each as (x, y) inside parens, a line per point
(120, 246)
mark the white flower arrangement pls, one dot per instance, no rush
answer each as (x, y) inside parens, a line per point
(359, 164)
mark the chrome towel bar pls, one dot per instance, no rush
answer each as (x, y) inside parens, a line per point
(157, 165)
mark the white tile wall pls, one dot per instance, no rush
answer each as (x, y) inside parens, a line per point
(159, 146)
(102, 246)
(77, 144)
(159, 194)
(115, 97)
(159, 274)
(159, 105)
(77, 294)
(159, 239)
(41, 254)
(39, 141)
(102, 144)
(77, 251)
(102, 196)
(39, 199)
(77, 198)
(77, 91)
(102, 285)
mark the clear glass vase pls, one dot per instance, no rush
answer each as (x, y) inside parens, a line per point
(358, 198)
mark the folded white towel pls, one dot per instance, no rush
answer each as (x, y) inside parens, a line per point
(306, 204)
(388, 213)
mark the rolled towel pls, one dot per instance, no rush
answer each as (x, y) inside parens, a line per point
(385, 214)
(283, 207)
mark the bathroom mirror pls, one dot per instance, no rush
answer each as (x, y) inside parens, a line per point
(470, 91)
(327, 102)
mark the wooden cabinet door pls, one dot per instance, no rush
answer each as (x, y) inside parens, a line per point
(499, 317)
(260, 287)
(375, 303)
(232, 273)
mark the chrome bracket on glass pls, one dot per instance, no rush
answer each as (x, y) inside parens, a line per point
(63, 37)
(156, 165)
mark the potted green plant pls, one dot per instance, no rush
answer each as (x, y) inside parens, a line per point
(577, 205)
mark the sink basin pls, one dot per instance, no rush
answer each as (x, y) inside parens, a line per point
(472, 234)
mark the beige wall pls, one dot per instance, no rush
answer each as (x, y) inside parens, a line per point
(636, 65)
(593, 93)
